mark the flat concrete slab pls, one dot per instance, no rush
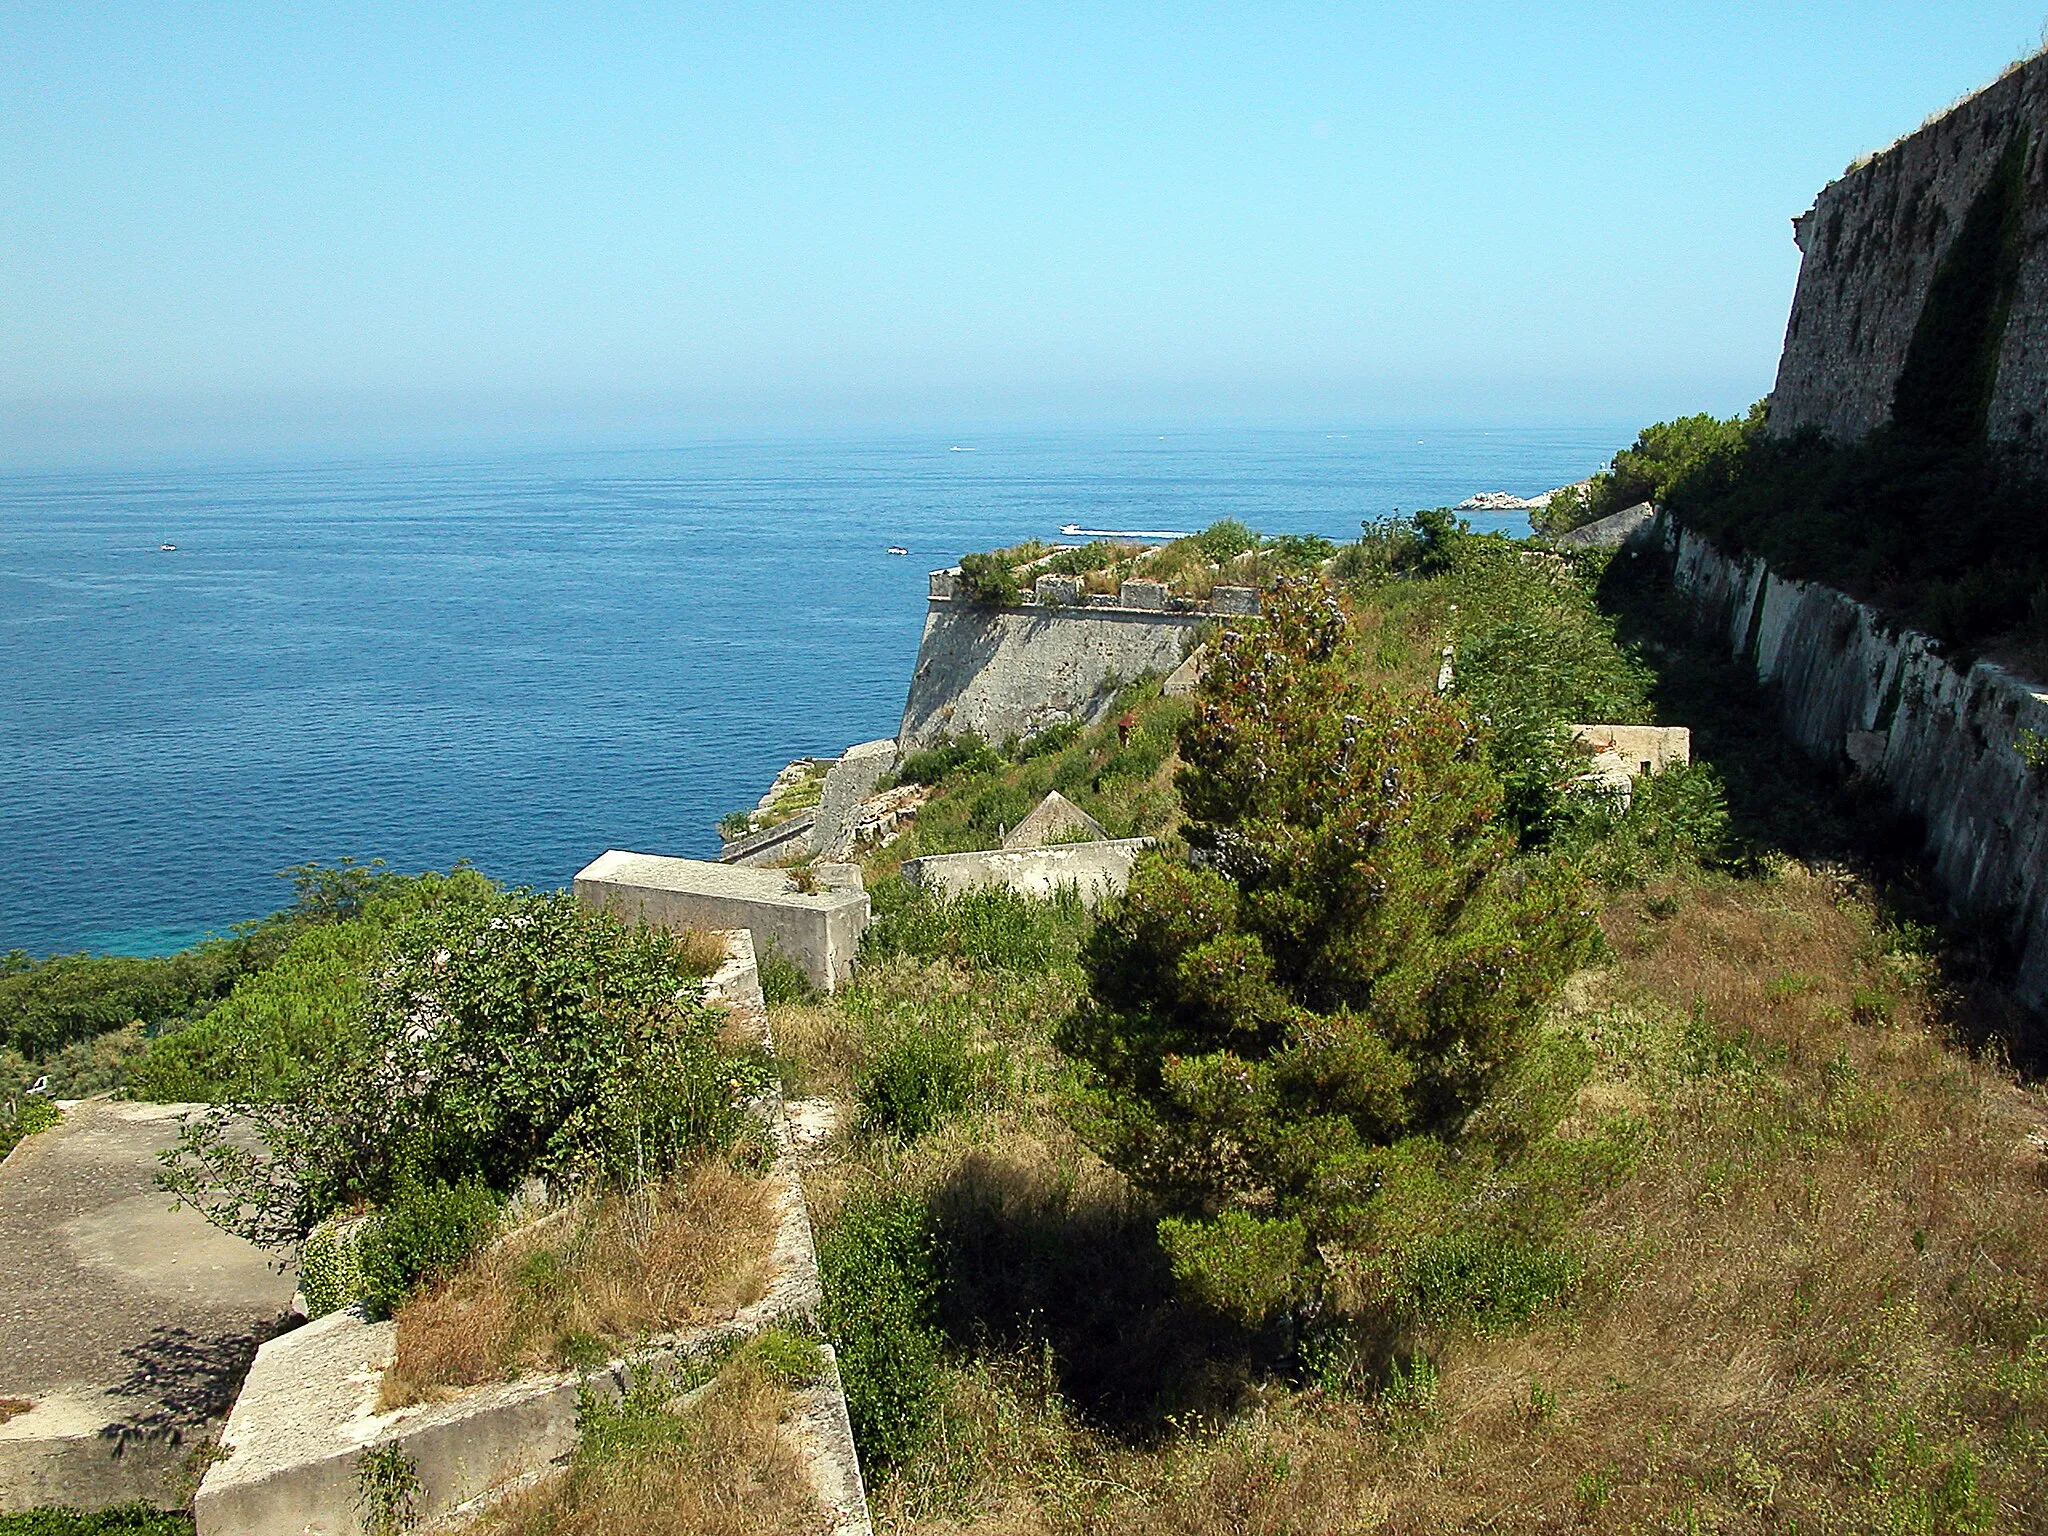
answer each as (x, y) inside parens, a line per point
(817, 931)
(126, 1326)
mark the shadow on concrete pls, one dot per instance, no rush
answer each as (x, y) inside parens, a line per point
(180, 1380)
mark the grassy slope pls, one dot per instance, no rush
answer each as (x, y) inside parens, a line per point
(1816, 1303)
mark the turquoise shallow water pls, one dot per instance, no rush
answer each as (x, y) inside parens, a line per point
(527, 658)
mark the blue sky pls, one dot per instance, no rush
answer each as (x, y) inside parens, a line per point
(410, 220)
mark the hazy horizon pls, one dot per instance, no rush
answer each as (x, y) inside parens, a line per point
(237, 230)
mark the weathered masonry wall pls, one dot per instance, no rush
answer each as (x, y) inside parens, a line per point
(1003, 672)
(1915, 257)
(1849, 691)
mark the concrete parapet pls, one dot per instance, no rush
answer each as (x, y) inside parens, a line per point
(1096, 871)
(943, 582)
(1631, 525)
(1241, 600)
(772, 844)
(1058, 591)
(1148, 595)
(818, 932)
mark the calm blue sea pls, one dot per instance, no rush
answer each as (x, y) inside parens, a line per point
(527, 658)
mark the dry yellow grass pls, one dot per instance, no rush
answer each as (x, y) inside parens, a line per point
(577, 1287)
(724, 1466)
(1819, 1303)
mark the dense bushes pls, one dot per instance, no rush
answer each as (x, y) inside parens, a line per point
(1662, 456)
(499, 1037)
(423, 1233)
(280, 1019)
(83, 1020)
(1294, 1033)
(878, 1271)
(118, 1520)
(994, 928)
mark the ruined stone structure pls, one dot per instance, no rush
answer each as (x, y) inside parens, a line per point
(1923, 288)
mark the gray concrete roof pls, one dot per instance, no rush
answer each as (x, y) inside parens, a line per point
(119, 1318)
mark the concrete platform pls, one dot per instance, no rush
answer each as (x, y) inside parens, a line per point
(820, 932)
(126, 1326)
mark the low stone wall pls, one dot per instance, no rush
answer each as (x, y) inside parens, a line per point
(1851, 690)
(819, 933)
(1096, 870)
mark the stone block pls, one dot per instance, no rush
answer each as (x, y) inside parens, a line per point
(1639, 748)
(1183, 679)
(1866, 749)
(849, 781)
(819, 932)
(942, 583)
(1059, 591)
(1055, 819)
(1244, 600)
(1096, 871)
(1147, 595)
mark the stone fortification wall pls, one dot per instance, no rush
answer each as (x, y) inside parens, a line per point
(1890, 253)
(1852, 692)
(1003, 672)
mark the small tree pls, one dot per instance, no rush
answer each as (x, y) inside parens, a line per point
(1283, 1032)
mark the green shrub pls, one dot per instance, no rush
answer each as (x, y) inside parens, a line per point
(989, 579)
(423, 1234)
(119, 1520)
(879, 1271)
(954, 756)
(23, 1117)
(915, 1074)
(1353, 972)
(498, 1038)
(782, 979)
(331, 1265)
(294, 1012)
(1242, 1267)
(1224, 539)
(994, 928)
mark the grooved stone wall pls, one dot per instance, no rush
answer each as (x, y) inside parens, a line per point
(1871, 245)
(1003, 672)
(1848, 689)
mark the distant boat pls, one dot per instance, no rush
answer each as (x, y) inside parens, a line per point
(956, 448)
(1075, 530)
(898, 549)
(167, 546)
